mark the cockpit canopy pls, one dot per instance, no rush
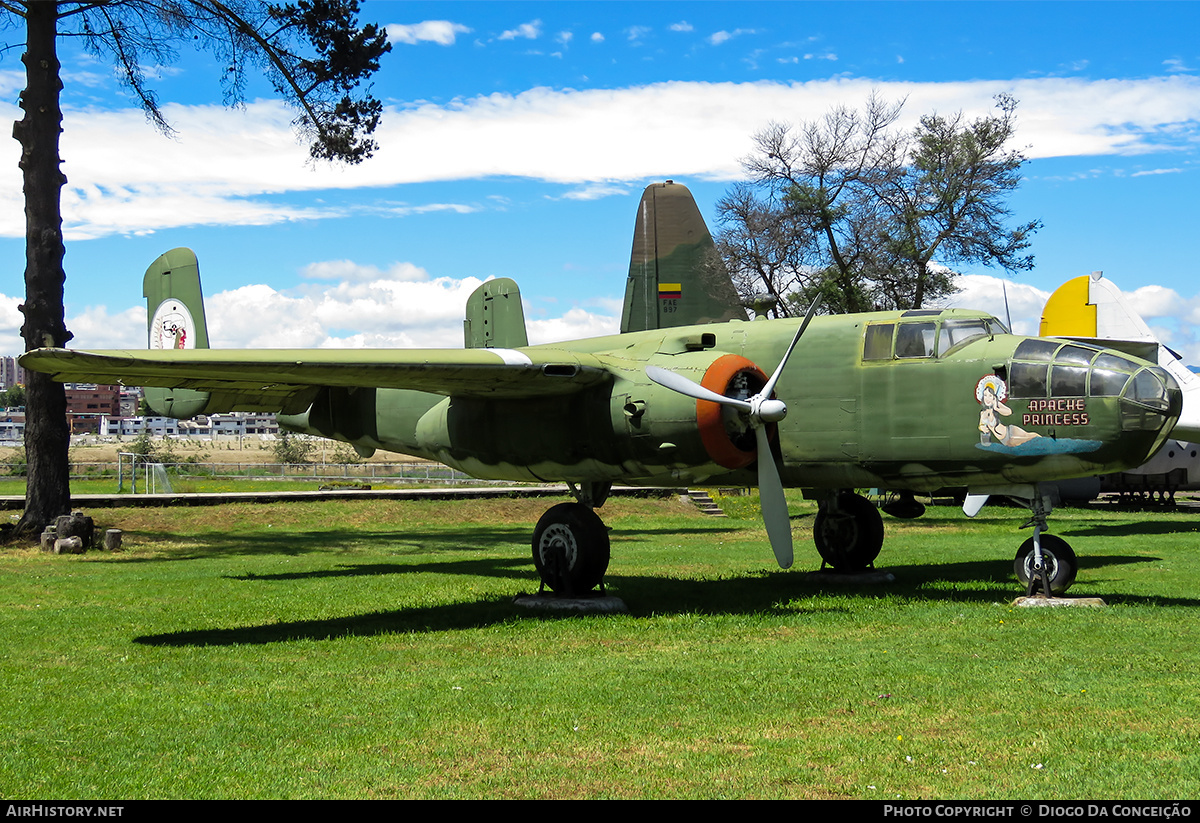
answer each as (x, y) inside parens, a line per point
(1056, 368)
(924, 334)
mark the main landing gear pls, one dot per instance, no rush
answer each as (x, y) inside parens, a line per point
(570, 544)
(570, 549)
(848, 532)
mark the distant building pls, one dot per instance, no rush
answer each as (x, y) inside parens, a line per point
(131, 400)
(87, 403)
(11, 374)
(12, 425)
(234, 424)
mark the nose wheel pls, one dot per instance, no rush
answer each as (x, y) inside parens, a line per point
(1056, 570)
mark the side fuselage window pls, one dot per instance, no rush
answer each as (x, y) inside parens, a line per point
(921, 339)
(878, 345)
(916, 339)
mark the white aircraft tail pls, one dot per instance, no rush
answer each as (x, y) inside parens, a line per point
(1092, 309)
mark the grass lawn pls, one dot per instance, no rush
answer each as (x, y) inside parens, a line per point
(353, 649)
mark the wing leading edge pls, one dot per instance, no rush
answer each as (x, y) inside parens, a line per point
(286, 380)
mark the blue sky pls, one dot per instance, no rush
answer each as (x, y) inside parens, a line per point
(517, 138)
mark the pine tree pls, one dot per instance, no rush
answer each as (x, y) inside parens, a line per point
(313, 51)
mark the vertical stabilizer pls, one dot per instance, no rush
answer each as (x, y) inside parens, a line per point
(675, 275)
(1093, 306)
(175, 320)
(1068, 311)
(495, 318)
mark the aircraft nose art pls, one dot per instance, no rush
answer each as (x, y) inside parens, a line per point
(1078, 398)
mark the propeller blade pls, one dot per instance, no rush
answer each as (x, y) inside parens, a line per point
(677, 382)
(774, 504)
(762, 410)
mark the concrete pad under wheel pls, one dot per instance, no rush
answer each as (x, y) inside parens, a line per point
(600, 604)
(1042, 601)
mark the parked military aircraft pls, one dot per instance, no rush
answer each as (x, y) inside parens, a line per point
(688, 393)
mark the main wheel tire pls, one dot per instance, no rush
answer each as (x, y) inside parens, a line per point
(570, 549)
(850, 538)
(1059, 557)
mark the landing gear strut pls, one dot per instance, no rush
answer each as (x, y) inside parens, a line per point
(1044, 560)
(848, 532)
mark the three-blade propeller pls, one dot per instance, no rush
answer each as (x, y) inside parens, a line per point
(761, 409)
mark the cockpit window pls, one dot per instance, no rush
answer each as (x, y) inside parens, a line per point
(1148, 390)
(1078, 355)
(926, 338)
(1035, 349)
(956, 332)
(1107, 360)
(878, 345)
(1107, 383)
(1061, 369)
(1029, 379)
(1068, 381)
(915, 340)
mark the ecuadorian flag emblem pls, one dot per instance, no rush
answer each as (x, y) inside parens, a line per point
(670, 291)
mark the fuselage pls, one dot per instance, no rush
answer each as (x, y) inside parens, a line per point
(897, 400)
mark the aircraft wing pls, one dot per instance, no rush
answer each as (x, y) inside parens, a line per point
(287, 379)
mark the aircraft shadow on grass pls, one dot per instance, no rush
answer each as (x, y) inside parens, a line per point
(748, 593)
(398, 542)
(1145, 528)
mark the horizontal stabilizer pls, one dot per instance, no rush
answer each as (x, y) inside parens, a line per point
(495, 318)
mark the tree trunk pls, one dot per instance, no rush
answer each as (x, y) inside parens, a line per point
(47, 436)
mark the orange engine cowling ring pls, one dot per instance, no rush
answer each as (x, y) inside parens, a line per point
(724, 433)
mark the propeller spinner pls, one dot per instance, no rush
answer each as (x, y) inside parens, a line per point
(761, 408)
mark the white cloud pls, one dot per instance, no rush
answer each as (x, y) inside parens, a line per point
(1156, 171)
(234, 167)
(442, 32)
(597, 37)
(346, 305)
(682, 25)
(717, 38)
(11, 320)
(576, 324)
(981, 291)
(95, 327)
(527, 31)
(12, 81)
(595, 191)
(1154, 301)
(348, 270)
